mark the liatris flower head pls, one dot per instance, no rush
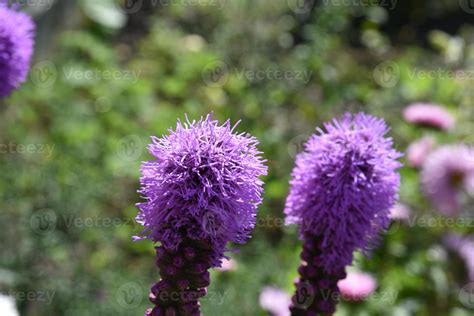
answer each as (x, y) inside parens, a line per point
(419, 150)
(275, 301)
(16, 47)
(448, 176)
(202, 190)
(428, 114)
(343, 187)
(203, 184)
(357, 286)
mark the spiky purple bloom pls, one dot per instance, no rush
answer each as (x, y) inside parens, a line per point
(202, 191)
(447, 176)
(16, 47)
(428, 114)
(342, 189)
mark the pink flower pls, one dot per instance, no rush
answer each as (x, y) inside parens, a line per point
(430, 115)
(357, 286)
(448, 176)
(400, 212)
(275, 301)
(418, 150)
(227, 265)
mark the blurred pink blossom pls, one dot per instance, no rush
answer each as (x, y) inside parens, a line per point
(400, 212)
(428, 114)
(357, 286)
(448, 176)
(227, 265)
(275, 301)
(419, 150)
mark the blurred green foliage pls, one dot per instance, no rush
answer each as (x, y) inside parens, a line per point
(222, 57)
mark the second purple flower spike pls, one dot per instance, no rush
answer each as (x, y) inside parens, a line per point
(202, 191)
(342, 189)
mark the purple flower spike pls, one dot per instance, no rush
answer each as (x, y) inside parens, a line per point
(342, 189)
(202, 191)
(16, 47)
